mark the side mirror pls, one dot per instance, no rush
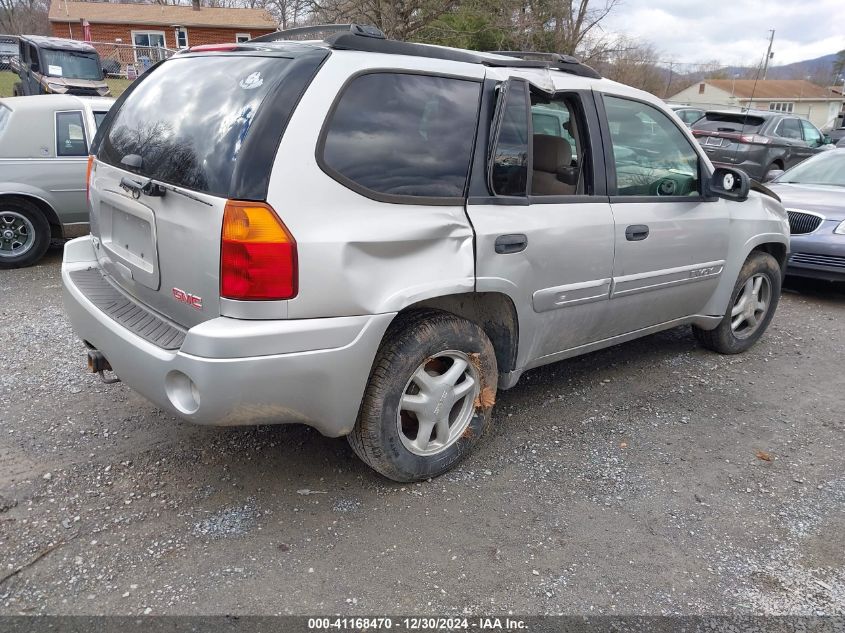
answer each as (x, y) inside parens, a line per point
(730, 184)
(771, 175)
(826, 139)
(34, 67)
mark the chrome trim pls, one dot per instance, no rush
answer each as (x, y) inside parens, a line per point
(571, 294)
(709, 270)
(804, 211)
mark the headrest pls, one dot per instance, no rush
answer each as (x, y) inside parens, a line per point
(551, 153)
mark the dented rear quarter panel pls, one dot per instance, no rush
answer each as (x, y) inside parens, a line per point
(358, 255)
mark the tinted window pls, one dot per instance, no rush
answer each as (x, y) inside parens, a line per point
(811, 134)
(189, 118)
(401, 134)
(510, 157)
(729, 122)
(70, 134)
(789, 128)
(652, 156)
(33, 58)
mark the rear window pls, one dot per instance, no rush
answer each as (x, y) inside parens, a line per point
(403, 135)
(189, 118)
(729, 122)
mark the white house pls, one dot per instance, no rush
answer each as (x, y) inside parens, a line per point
(819, 104)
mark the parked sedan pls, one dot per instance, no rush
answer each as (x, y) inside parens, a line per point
(43, 158)
(757, 142)
(814, 196)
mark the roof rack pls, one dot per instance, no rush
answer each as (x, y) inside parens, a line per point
(358, 37)
(557, 61)
(320, 32)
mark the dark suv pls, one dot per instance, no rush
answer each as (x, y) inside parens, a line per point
(757, 141)
(52, 65)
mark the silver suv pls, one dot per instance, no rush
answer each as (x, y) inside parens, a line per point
(371, 237)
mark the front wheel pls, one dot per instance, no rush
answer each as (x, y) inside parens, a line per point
(429, 399)
(751, 308)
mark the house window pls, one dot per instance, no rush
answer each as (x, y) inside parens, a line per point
(146, 45)
(181, 37)
(242, 37)
(781, 106)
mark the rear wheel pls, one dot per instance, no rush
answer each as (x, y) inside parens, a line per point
(17, 90)
(429, 399)
(751, 308)
(24, 234)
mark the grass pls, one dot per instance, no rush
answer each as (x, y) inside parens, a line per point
(8, 80)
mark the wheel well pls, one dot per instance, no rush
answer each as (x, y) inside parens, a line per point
(46, 209)
(492, 311)
(777, 163)
(778, 251)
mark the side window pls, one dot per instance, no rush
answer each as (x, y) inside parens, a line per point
(403, 135)
(558, 167)
(789, 128)
(33, 58)
(651, 155)
(70, 134)
(509, 169)
(811, 134)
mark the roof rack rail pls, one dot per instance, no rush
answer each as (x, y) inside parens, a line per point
(320, 32)
(557, 61)
(350, 41)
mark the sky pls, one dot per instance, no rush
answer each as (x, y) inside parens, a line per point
(734, 32)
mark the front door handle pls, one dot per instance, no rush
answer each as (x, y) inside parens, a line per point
(636, 232)
(511, 243)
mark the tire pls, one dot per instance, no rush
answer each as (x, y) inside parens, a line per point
(24, 234)
(735, 333)
(17, 90)
(391, 439)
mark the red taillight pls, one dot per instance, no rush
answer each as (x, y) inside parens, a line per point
(212, 47)
(257, 254)
(88, 172)
(754, 138)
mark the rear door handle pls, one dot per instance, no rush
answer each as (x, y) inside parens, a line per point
(511, 243)
(636, 232)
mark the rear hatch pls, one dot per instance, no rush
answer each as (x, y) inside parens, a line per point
(196, 131)
(724, 133)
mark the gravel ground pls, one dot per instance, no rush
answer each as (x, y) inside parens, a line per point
(651, 478)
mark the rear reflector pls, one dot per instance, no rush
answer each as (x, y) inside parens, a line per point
(258, 258)
(88, 173)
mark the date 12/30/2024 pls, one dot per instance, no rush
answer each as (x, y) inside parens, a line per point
(416, 623)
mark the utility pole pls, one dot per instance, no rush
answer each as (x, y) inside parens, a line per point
(768, 54)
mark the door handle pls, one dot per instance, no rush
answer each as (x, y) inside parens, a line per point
(511, 243)
(636, 232)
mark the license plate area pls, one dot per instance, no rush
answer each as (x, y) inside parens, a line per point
(128, 235)
(713, 141)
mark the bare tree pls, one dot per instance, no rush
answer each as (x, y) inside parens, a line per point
(399, 19)
(23, 16)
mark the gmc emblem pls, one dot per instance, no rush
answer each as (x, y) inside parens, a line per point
(185, 297)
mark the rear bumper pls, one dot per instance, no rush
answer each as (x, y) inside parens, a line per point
(309, 383)
(750, 167)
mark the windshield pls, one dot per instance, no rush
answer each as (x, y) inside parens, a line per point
(823, 169)
(71, 64)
